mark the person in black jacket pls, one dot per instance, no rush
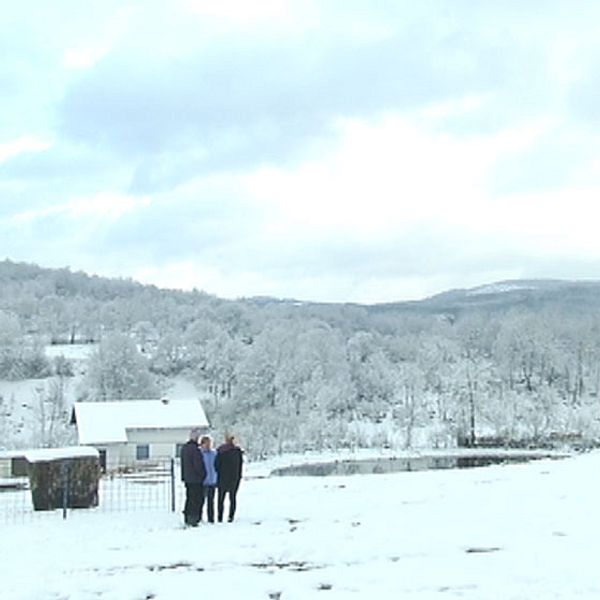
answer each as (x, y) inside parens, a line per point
(192, 474)
(228, 465)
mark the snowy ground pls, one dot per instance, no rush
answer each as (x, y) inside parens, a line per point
(523, 531)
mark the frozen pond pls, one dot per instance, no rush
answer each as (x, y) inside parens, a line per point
(371, 466)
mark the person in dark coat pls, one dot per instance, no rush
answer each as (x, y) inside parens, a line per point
(192, 474)
(228, 465)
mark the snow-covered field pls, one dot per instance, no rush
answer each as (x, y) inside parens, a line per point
(520, 531)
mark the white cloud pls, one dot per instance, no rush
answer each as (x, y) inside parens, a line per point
(241, 11)
(23, 145)
(85, 51)
(104, 206)
(557, 222)
(111, 205)
(191, 274)
(387, 175)
(84, 57)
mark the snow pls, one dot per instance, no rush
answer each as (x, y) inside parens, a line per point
(8, 454)
(21, 401)
(104, 422)
(74, 352)
(180, 388)
(518, 531)
(50, 454)
(499, 288)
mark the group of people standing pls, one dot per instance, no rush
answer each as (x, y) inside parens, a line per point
(207, 472)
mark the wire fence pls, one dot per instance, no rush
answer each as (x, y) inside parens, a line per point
(151, 486)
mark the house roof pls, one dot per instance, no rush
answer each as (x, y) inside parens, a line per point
(108, 422)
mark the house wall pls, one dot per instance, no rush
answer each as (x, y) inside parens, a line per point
(118, 455)
(113, 455)
(158, 436)
(162, 446)
(125, 455)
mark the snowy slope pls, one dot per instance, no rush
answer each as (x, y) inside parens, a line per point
(21, 406)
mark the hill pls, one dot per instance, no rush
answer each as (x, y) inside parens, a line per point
(23, 284)
(501, 296)
(514, 360)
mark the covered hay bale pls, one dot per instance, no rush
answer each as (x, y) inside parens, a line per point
(64, 477)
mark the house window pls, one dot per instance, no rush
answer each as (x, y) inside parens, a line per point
(142, 452)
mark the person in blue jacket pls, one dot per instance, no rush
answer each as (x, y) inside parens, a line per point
(209, 485)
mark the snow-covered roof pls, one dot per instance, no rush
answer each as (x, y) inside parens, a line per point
(49, 454)
(9, 454)
(108, 422)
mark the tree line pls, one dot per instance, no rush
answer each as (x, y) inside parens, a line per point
(294, 376)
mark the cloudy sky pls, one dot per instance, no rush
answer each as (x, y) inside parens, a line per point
(334, 150)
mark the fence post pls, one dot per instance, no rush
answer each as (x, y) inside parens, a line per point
(172, 485)
(65, 491)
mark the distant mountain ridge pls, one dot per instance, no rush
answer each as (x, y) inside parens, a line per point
(501, 295)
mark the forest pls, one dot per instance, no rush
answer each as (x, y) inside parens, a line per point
(516, 364)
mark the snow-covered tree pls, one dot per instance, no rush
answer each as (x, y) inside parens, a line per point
(373, 375)
(51, 415)
(118, 371)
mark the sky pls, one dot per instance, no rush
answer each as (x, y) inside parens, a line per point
(338, 151)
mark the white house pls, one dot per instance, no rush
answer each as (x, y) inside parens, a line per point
(133, 432)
